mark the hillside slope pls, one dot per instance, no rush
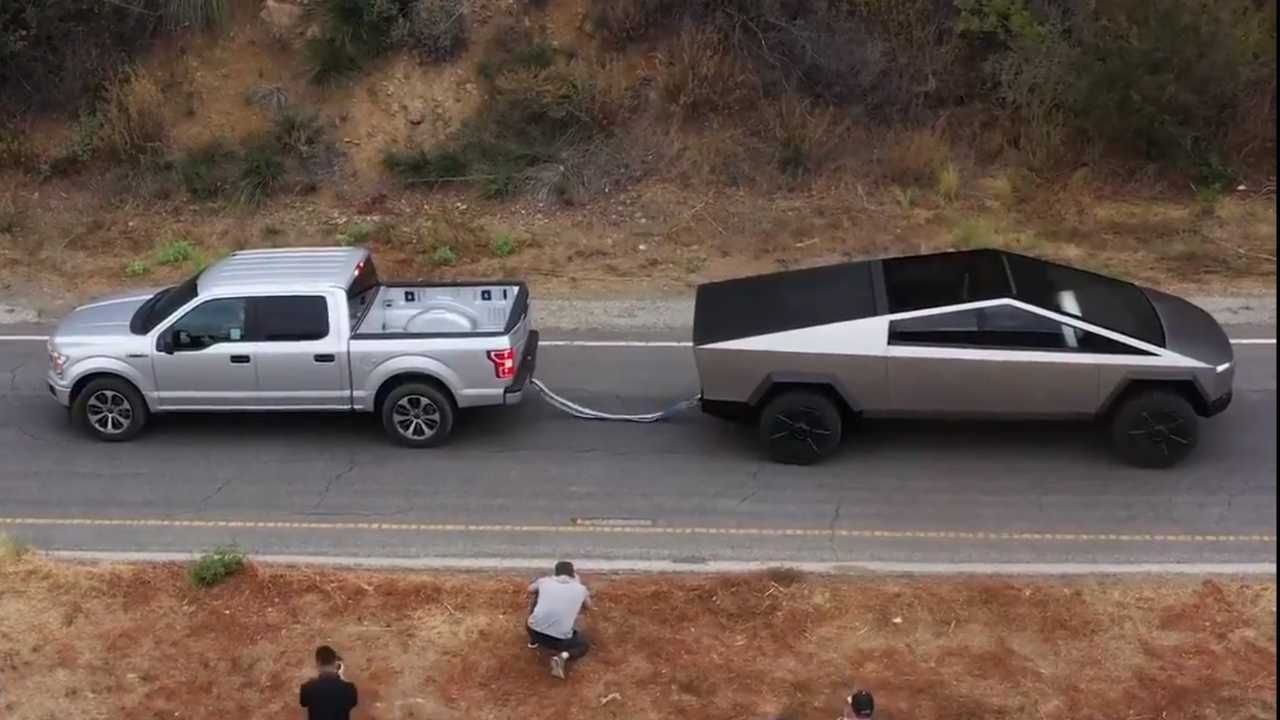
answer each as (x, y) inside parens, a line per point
(634, 147)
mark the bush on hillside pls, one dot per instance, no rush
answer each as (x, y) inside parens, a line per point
(56, 54)
(132, 114)
(1164, 77)
(357, 31)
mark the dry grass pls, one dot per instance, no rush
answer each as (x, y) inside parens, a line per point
(133, 116)
(916, 157)
(449, 646)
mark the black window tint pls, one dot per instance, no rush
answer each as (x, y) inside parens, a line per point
(290, 318)
(163, 304)
(925, 281)
(1097, 299)
(1003, 327)
(210, 323)
(953, 328)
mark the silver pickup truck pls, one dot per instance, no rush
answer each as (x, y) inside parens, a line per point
(295, 330)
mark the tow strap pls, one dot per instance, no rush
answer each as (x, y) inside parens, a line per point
(585, 413)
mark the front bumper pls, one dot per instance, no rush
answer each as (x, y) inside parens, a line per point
(1217, 406)
(524, 371)
(60, 392)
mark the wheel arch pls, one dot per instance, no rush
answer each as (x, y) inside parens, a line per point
(405, 378)
(776, 383)
(83, 382)
(1188, 389)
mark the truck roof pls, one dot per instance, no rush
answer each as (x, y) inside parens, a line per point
(293, 268)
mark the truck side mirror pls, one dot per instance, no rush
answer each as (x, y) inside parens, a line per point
(165, 343)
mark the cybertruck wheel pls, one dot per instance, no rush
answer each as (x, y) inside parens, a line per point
(800, 427)
(417, 415)
(1154, 429)
(110, 410)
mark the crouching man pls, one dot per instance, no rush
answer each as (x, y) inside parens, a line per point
(557, 600)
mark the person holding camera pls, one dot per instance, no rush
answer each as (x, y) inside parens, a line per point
(328, 696)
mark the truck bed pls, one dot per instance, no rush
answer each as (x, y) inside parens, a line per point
(407, 310)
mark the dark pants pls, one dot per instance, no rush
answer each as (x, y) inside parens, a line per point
(576, 646)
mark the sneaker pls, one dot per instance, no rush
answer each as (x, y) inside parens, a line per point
(557, 665)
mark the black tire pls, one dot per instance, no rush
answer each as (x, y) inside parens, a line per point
(110, 409)
(800, 427)
(418, 415)
(1154, 429)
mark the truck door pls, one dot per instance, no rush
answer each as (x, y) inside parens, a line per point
(205, 359)
(302, 363)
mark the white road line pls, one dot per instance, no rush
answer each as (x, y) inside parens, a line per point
(617, 343)
(667, 566)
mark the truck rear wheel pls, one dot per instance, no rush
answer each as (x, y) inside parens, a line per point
(800, 427)
(417, 415)
(1154, 429)
(110, 409)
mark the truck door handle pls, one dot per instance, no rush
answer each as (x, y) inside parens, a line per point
(239, 359)
(324, 358)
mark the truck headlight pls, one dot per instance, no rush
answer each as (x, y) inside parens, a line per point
(57, 361)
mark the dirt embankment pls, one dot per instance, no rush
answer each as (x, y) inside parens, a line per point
(141, 642)
(672, 199)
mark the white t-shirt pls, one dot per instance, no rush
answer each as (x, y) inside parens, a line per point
(560, 598)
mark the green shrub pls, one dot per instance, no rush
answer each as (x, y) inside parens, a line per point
(208, 171)
(948, 182)
(298, 131)
(356, 234)
(329, 60)
(175, 252)
(10, 215)
(1164, 77)
(193, 13)
(55, 55)
(426, 166)
(214, 567)
(11, 550)
(136, 268)
(973, 233)
(444, 256)
(262, 169)
(436, 30)
(503, 245)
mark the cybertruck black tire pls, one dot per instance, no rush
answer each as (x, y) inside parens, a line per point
(1154, 429)
(111, 410)
(800, 427)
(418, 415)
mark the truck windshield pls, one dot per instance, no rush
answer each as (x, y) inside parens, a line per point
(162, 305)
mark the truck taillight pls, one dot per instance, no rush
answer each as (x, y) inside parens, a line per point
(504, 363)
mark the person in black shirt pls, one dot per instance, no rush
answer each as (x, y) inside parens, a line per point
(328, 696)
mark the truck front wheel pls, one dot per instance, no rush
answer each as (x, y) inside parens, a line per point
(800, 427)
(1154, 429)
(417, 415)
(110, 409)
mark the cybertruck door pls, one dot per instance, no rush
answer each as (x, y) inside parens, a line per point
(993, 360)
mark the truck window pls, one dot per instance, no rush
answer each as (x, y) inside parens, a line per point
(290, 318)
(925, 281)
(211, 323)
(162, 305)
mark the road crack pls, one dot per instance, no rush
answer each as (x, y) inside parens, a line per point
(216, 492)
(831, 528)
(324, 494)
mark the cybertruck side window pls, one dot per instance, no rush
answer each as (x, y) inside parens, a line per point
(926, 281)
(1001, 327)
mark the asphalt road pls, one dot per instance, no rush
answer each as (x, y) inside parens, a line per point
(530, 482)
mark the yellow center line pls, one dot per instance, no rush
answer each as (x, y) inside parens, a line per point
(645, 530)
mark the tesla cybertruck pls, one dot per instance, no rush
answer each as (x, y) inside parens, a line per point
(975, 334)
